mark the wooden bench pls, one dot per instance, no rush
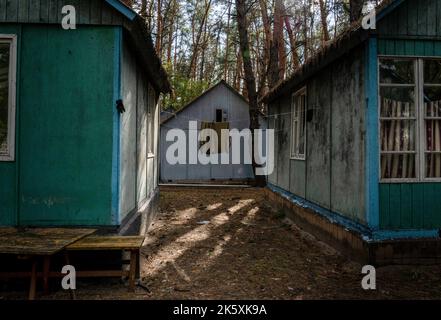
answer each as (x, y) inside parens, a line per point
(111, 243)
(37, 244)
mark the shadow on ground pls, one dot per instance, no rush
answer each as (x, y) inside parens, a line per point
(231, 244)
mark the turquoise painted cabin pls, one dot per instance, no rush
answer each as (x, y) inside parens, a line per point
(69, 155)
(358, 135)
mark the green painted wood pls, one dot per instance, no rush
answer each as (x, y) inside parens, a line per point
(410, 206)
(409, 47)
(49, 11)
(395, 205)
(429, 205)
(384, 206)
(437, 205)
(406, 206)
(429, 48)
(66, 126)
(417, 206)
(400, 47)
(8, 170)
(422, 48)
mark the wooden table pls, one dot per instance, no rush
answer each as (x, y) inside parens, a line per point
(35, 243)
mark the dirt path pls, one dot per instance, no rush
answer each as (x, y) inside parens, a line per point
(230, 244)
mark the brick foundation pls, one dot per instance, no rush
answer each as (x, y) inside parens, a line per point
(352, 244)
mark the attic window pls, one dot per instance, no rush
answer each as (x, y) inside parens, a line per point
(219, 115)
(7, 97)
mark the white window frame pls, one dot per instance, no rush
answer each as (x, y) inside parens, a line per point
(12, 40)
(294, 118)
(420, 138)
(151, 116)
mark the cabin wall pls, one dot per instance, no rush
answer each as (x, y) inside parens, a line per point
(49, 11)
(333, 174)
(413, 29)
(204, 109)
(138, 168)
(63, 128)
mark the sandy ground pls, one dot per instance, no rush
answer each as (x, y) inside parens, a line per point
(231, 244)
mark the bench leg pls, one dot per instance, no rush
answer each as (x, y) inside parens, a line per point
(46, 268)
(73, 295)
(33, 286)
(132, 272)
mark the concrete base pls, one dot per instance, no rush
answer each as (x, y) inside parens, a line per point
(138, 222)
(355, 245)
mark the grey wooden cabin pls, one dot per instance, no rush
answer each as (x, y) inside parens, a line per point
(222, 101)
(358, 126)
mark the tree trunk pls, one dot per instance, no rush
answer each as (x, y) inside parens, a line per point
(192, 69)
(159, 29)
(355, 10)
(324, 20)
(250, 80)
(292, 43)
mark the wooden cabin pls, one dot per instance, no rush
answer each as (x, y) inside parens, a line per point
(79, 121)
(220, 105)
(358, 136)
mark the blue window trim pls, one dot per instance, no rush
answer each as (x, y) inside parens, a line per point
(372, 147)
(123, 9)
(391, 7)
(116, 126)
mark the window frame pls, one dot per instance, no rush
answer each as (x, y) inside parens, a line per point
(151, 116)
(293, 155)
(420, 126)
(12, 76)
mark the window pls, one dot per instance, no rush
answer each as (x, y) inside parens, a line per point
(410, 119)
(298, 127)
(221, 115)
(151, 122)
(7, 97)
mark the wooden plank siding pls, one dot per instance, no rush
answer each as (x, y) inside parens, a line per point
(413, 29)
(49, 11)
(413, 18)
(415, 205)
(410, 206)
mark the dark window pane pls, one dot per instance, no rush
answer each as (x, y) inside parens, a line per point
(4, 96)
(397, 102)
(398, 135)
(433, 165)
(432, 101)
(397, 71)
(433, 135)
(398, 166)
(432, 71)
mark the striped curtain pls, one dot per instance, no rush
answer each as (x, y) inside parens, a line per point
(398, 143)
(433, 139)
